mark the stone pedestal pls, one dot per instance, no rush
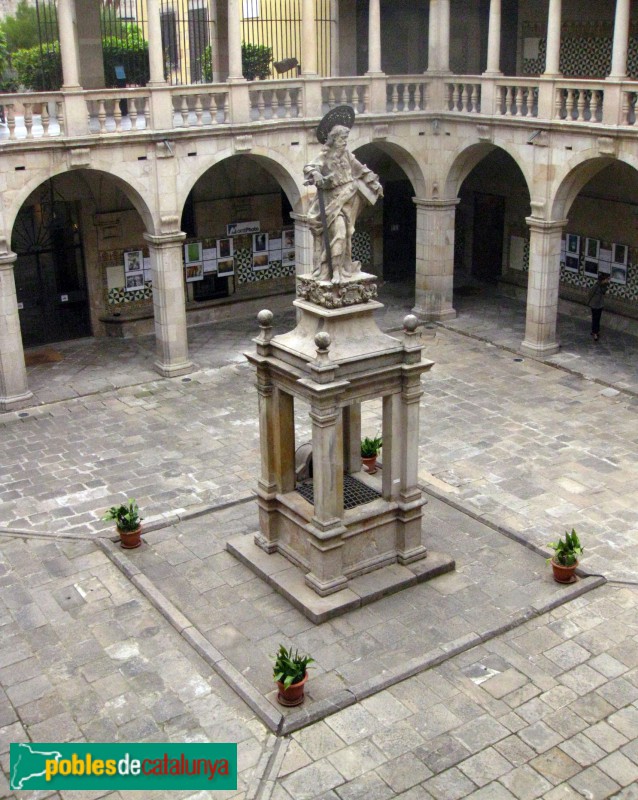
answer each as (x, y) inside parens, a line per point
(335, 359)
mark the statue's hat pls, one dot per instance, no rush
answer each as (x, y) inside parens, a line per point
(339, 115)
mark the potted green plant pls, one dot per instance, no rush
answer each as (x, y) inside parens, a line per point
(369, 452)
(565, 558)
(128, 523)
(290, 673)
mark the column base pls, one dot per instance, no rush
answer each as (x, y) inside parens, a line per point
(16, 401)
(539, 350)
(174, 370)
(415, 554)
(325, 588)
(434, 316)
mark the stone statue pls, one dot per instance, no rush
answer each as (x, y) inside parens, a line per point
(344, 186)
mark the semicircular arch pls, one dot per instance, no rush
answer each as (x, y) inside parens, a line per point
(269, 159)
(398, 150)
(463, 163)
(136, 197)
(575, 176)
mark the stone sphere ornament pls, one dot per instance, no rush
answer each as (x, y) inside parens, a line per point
(265, 318)
(323, 341)
(410, 323)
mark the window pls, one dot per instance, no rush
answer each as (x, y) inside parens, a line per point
(250, 9)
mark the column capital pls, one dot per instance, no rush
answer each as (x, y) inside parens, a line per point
(545, 225)
(300, 219)
(164, 239)
(435, 203)
(7, 260)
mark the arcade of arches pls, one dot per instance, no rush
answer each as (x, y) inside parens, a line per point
(88, 264)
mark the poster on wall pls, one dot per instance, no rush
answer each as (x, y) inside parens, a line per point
(134, 282)
(592, 255)
(620, 253)
(193, 253)
(194, 272)
(572, 252)
(260, 243)
(288, 238)
(225, 248)
(260, 261)
(225, 266)
(287, 258)
(134, 261)
(210, 265)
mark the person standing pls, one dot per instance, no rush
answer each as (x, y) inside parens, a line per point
(596, 302)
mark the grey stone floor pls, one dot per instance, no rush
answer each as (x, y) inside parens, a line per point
(547, 709)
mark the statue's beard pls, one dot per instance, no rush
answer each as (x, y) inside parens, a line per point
(338, 165)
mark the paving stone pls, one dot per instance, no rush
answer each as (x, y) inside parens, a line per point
(318, 740)
(486, 766)
(525, 783)
(626, 721)
(620, 769)
(540, 737)
(449, 785)
(307, 782)
(605, 736)
(515, 750)
(356, 759)
(403, 772)
(480, 733)
(582, 750)
(441, 753)
(367, 787)
(395, 740)
(594, 784)
(555, 765)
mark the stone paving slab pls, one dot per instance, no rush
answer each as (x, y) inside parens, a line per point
(244, 620)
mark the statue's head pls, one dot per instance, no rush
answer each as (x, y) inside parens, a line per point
(338, 137)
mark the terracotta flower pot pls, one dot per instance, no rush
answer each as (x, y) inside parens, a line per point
(293, 695)
(370, 463)
(129, 540)
(563, 574)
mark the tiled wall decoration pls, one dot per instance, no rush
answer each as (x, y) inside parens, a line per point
(627, 292)
(121, 296)
(585, 50)
(246, 274)
(362, 248)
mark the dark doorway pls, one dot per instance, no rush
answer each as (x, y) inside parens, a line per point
(487, 238)
(49, 273)
(399, 227)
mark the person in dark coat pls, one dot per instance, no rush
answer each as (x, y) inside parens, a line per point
(596, 302)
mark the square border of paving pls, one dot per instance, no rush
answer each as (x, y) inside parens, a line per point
(283, 723)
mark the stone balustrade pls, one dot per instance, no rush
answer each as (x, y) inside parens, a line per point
(145, 109)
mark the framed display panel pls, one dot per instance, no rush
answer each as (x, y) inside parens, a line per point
(592, 254)
(194, 272)
(225, 248)
(287, 257)
(210, 265)
(225, 266)
(571, 263)
(134, 282)
(572, 244)
(193, 253)
(288, 238)
(260, 261)
(618, 273)
(260, 243)
(619, 258)
(134, 261)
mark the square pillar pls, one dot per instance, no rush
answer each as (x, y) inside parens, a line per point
(169, 304)
(435, 221)
(352, 438)
(542, 287)
(14, 392)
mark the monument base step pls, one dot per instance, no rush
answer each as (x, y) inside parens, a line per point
(289, 580)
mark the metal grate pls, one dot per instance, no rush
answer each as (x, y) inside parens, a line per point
(355, 493)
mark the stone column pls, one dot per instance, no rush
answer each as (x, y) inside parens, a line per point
(391, 437)
(214, 38)
(326, 527)
(433, 36)
(444, 35)
(14, 391)
(352, 438)
(155, 53)
(542, 287)
(409, 546)
(69, 49)
(304, 244)
(284, 440)
(552, 57)
(434, 259)
(308, 39)
(169, 304)
(335, 67)
(374, 38)
(235, 72)
(494, 40)
(621, 41)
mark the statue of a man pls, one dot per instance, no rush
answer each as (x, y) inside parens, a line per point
(344, 186)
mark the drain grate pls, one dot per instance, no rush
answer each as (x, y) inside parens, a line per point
(355, 493)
